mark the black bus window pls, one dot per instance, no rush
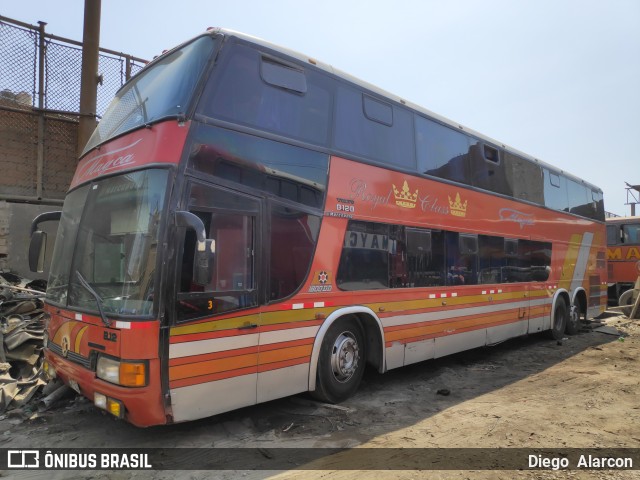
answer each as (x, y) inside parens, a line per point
(492, 258)
(524, 177)
(613, 234)
(631, 233)
(555, 191)
(230, 220)
(364, 262)
(365, 127)
(425, 257)
(264, 94)
(294, 234)
(442, 151)
(462, 259)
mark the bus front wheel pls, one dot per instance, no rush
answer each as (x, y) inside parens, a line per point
(341, 362)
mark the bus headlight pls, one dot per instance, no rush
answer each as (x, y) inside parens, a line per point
(127, 374)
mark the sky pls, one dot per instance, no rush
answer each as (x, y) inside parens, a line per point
(556, 79)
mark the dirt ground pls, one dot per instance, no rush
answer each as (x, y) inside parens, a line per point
(530, 392)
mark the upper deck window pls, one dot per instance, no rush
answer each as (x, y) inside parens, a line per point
(442, 151)
(254, 90)
(162, 90)
(373, 129)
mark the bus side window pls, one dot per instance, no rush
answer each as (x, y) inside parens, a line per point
(249, 88)
(631, 233)
(294, 234)
(442, 151)
(614, 234)
(230, 221)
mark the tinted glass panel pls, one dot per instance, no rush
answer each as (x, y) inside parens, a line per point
(598, 198)
(376, 256)
(229, 219)
(357, 134)
(442, 151)
(555, 191)
(524, 178)
(108, 238)
(488, 170)
(293, 239)
(492, 258)
(162, 90)
(613, 234)
(580, 199)
(537, 257)
(425, 257)
(631, 233)
(364, 264)
(289, 172)
(462, 259)
(268, 96)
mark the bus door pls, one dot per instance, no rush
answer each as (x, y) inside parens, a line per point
(213, 345)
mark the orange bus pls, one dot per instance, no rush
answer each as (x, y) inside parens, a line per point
(623, 257)
(247, 223)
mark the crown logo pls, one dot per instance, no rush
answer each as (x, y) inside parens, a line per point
(458, 208)
(405, 198)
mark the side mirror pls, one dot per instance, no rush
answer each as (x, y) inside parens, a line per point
(38, 245)
(205, 248)
(37, 251)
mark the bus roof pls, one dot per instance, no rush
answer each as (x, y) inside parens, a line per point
(361, 83)
(623, 220)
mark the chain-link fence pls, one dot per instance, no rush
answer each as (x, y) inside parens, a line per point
(39, 104)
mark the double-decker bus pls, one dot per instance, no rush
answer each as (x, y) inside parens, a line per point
(247, 223)
(623, 257)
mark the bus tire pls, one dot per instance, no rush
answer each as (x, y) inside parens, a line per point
(574, 324)
(341, 361)
(626, 301)
(560, 315)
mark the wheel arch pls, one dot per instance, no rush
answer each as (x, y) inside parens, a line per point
(580, 300)
(371, 328)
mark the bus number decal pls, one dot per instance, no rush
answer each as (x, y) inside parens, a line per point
(345, 208)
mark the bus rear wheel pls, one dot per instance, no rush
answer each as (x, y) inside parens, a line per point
(341, 362)
(574, 324)
(559, 320)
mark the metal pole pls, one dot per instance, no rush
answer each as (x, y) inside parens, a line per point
(41, 86)
(89, 78)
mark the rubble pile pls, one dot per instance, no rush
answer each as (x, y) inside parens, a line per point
(21, 335)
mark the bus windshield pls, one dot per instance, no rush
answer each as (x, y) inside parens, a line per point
(108, 235)
(162, 90)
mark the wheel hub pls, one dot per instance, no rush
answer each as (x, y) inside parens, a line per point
(574, 316)
(344, 357)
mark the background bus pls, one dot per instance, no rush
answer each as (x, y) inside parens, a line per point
(623, 256)
(248, 223)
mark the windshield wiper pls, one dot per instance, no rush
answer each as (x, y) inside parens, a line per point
(95, 295)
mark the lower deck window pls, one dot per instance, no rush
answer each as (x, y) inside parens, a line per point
(377, 256)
